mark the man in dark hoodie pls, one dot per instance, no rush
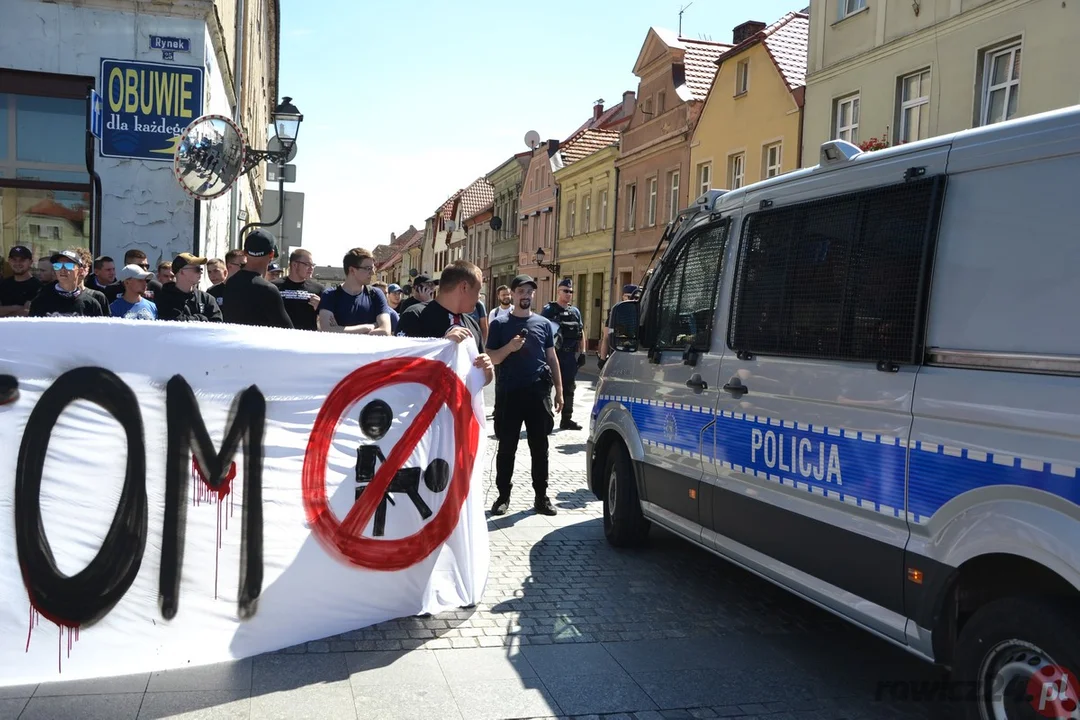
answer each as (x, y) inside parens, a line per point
(182, 299)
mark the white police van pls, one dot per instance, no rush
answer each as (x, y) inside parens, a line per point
(861, 381)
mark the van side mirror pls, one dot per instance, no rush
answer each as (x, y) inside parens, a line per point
(624, 325)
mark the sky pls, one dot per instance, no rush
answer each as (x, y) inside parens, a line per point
(407, 101)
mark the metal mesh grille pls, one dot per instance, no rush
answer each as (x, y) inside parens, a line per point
(686, 302)
(840, 278)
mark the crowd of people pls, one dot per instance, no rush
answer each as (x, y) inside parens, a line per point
(533, 358)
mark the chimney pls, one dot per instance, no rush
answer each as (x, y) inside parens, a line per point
(598, 109)
(553, 147)
(746, 30)
(628, 102)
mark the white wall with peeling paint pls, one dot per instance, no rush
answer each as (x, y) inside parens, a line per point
(143, 206)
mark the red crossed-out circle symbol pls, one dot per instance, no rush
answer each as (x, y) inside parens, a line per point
(345, 538)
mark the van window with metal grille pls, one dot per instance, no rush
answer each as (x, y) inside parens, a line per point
(686, 301)
(841, 278)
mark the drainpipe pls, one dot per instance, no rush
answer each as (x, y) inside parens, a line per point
(238, 113)
(555, 247)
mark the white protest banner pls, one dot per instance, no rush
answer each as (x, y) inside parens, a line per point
(177, 494)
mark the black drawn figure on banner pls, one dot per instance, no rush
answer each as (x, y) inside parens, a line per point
(375, 420)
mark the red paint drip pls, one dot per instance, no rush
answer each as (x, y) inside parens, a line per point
(202, 492)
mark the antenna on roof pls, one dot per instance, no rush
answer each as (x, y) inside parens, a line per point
(681, 11)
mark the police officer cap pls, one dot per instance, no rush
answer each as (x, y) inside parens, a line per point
(566, 282)
(522, 280)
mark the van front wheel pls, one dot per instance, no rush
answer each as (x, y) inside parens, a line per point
(1020, 658)
(624, 525)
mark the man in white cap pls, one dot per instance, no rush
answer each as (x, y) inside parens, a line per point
(131, 304)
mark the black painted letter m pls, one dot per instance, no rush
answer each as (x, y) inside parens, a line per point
(187, 435)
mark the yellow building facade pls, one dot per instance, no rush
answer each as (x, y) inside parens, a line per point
(750, 127)
(587, 186)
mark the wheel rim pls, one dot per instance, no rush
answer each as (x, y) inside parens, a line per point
(611, 492)
(1006, 674)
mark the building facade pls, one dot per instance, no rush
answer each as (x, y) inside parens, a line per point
(156, 67)
(654, 177)
(467, 240)
(898, 71)
(750, 127)
(506, 182)
(587, 190)
(536, 215)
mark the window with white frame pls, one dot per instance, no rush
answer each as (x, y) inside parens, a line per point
(651, 214)
(704, 178)
(571, 221)
(631, 206)
(736, 171)
(1001, 84)
(846, 120)
(772, 160)
(850, 7)
(914, 107)
(586, 211)
(673, 196)
(603, 209)
(742, 77)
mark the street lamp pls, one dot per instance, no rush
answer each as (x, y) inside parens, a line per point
(553, 268)
(287, 119)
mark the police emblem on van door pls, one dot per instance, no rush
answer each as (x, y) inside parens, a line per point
(671, 429)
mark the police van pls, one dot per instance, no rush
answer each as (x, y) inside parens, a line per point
(861, 381)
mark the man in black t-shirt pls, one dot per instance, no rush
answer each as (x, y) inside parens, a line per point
(103, 279)
(423, 289)
(448, 316)
(299, 292)
(250, 299)
(17, 291)
(68, 297)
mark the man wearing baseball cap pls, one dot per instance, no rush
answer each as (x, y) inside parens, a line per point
(423, 289)
(17, 291)
(252, 299)
(182, 299)
(68, 297)
(522, 345)
(132, 304)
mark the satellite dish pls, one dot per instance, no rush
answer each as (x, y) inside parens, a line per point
(532, 139)
(209, 157)
(496, 223)
(451, 226)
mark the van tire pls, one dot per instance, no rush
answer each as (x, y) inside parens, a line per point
(624, 524)
(994, 636)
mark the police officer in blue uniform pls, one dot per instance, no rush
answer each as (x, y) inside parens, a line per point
(569, 345)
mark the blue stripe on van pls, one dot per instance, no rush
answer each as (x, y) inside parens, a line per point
(861, 469)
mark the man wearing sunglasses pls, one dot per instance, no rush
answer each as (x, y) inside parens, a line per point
(569, 345)
(138, 257)
(68, 297)
(182, 299)
(17, 291)
(299, 292)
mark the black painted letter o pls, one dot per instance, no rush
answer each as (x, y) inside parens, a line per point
(86, 597)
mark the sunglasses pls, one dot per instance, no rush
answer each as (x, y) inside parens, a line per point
(63, 266)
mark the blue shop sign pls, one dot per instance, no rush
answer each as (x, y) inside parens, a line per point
(147, 107)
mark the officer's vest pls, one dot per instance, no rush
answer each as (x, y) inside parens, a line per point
(570, 330)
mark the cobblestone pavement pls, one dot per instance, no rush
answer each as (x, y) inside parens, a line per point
(569, 627)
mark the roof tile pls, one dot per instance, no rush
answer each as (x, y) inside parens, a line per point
(587, 142)
(700, 63)
(786, 40)
(476, 198)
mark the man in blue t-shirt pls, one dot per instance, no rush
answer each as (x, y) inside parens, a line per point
(355, 306)
(522, 345)
(131, 304)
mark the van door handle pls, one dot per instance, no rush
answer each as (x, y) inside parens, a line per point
(736, 388)
(697, 383)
